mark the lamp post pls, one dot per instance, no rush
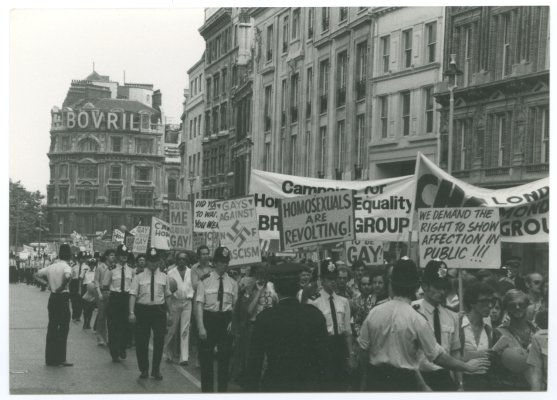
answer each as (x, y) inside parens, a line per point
(40, 216)
(61, 225)
(451, 73)
(191, 180)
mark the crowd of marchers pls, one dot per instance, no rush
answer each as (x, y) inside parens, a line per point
(301, 326)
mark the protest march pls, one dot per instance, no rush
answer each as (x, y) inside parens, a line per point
(399, 284)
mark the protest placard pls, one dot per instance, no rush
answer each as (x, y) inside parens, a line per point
(238, 230)
(179, 212)
(101, 245)
(128, 240)
(118, 236)
(141, 239)
(461, 237)
(160, 234)
(524, 209)
(368, 251)
(205, 216)
(382, 207)
(320, 218)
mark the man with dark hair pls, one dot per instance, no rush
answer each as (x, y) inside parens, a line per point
(57, 276)
(202, 268)
(75, 285)
(293, 339)
(107, 262)
(394, 336)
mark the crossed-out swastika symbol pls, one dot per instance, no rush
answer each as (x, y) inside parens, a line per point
(240, 233)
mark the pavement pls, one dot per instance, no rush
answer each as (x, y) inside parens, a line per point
(93, 371)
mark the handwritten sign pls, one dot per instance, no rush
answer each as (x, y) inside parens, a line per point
(321, 218)
(238, 230)
(118, 236)
(368, 251)
(205, 216)
(181, 236)
(160, 234)
(462, 237)
(141, 239)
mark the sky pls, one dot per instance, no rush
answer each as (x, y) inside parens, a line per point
(50, 47)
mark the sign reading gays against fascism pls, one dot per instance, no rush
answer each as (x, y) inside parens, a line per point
(382, 207)
(461, 237)
(322, 218)
(238, 230)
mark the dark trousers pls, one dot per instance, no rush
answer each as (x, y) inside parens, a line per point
(386, 378)
(58, 328)
(75, 299)
(439, 381)
(338, 375)
(216, 325)
(149, 318)
(88, 307)
(117, 322)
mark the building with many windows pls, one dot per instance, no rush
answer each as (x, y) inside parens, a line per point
(107, 160)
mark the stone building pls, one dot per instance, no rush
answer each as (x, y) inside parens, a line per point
(107, 159)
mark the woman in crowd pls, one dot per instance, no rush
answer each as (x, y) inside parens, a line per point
(497, 313)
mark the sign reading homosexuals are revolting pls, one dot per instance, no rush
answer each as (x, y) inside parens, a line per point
(321, 218)
(382, 208)
(160, 234)
(238, 230)
(141, 239)
(524, 209)
(370, 252)
(461, 237)
(181, 221)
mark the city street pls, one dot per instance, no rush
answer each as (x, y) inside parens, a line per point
(93, 371)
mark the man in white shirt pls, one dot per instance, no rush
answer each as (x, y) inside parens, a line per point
(181, 306)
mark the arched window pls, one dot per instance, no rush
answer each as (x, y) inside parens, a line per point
(172, 185)
(88, 145)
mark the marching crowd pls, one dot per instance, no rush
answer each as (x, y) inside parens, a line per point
(306, 326)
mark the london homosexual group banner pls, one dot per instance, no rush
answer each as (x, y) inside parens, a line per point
(461, 237)
(326, 217)
(382, 208)
(524, 209)
(181, 222)
(238, 230)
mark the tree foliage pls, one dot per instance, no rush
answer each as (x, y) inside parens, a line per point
(24, 214)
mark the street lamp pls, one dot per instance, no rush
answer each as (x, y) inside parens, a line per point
(40, 216)
(61, 224)
(191, 180)
(451, 73)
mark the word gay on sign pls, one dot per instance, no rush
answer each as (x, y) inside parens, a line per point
(370, 252)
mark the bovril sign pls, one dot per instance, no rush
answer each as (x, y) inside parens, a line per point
(104, 120)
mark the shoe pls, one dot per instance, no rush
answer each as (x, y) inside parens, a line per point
(183, 363)
(101, 343)
(157, 376)
(144, 375)
(123, 355)
(66, 364)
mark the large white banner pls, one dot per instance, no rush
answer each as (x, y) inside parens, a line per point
(382, 208)
(238, 230)
(524, 209)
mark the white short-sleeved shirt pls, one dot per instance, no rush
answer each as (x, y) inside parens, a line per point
(113, 278)
(321, 300)
(185, 289)
(394, 333)
(141, 288)
(207, 292)
(55, 273)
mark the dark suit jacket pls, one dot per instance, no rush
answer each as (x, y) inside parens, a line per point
(293, 337)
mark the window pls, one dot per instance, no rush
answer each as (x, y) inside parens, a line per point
(143, 199)
(283, 101)
(224, 72)
(498, 143)
(428, 93)
(324, 19)
(208, 123)
(386, 51)
(191, 128)
(407, 43)
(116, 144)
(89, 146)
(172, 186)
(142, 173)
(340, 146)
(361, 69)
(144, 146)
(193, 165)
(63, 196)
(145, 122)
(198, 163)
(269, 43)
(189, 166)
(322, 149)
(285, 34)
(342, 62)
(63, 171)
(223, 117)
(431, 37)
(115, 197)
(267, 157)
(216, 125)
(464, 144)
(294, 98)
(216, 86)
(310, 22)
(87, 171)
(307, 153)
(507, 50)
(267, 109)
(359, 144)
(293, 154)
(116, 172)
(405, 97)
(295, 23)
(384, 109)
(343, 14)
(309, 91)
(85, 223)
(65, 144)
(323, 84)
(537, 143)
(86, 197)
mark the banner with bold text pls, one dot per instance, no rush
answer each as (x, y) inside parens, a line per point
(160, 234)
(205, 216)
(181, 222)
(141, 239)
(368, 251)
(238, 230)
(382, 207)
(461, 237)
(118, 236)
(524, 209)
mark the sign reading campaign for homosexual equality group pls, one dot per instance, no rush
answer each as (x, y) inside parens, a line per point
(181, 223)
(461, 237)
(160, 234)
(368, 251)
(382, 208)
(524, 209)
(321, 218)
(238, 230)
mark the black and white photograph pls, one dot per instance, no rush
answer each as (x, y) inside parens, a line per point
(277, 199)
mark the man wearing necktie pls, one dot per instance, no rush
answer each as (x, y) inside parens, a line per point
(215, 300)
(118, 281)
(336, 310)
(443, 322)
(149, 294)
